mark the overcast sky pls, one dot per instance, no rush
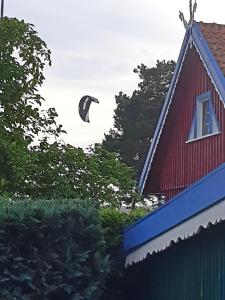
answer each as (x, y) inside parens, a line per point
(95, 46)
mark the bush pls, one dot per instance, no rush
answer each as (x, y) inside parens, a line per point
(51, 250)
(113, 223)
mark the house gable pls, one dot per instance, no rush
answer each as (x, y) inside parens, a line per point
(174, 165)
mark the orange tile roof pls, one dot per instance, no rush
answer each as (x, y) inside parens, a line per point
(215, 37)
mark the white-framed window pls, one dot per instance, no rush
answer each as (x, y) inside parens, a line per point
(204, 122)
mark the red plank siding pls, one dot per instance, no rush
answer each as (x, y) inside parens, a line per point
(178, 164)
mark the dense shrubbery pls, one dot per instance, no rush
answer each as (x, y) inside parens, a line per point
(54, 249)
(51, 250)
(113, 223)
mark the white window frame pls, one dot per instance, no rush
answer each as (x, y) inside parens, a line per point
(196, 131)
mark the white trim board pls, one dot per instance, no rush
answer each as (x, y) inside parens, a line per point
(183, 231)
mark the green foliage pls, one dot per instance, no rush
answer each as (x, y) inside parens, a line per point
(114, 222)
(23, 57)
(13, 164)
(136, 116)
(57, 170)
(51, 250)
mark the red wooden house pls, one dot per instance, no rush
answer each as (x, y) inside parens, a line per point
(186, 162)
(190, 138)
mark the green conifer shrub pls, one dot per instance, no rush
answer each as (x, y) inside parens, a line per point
(51, 250)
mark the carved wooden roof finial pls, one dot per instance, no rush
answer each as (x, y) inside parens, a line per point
(192, 10)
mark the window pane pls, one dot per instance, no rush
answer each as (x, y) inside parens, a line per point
(205, 118)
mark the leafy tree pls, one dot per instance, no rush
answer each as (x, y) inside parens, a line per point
(59, 170)
(14, 164)
(23, 57)
(136, 116)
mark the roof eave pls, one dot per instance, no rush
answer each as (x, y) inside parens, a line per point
(163, 114)
(194, 200)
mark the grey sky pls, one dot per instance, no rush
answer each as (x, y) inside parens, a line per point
(95, 46)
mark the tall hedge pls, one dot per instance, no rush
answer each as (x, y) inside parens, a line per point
(114, 222)
(51, 250)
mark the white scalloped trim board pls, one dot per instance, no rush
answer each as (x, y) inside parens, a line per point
(185, 230)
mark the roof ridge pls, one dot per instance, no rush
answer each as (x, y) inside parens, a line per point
(209, 23)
